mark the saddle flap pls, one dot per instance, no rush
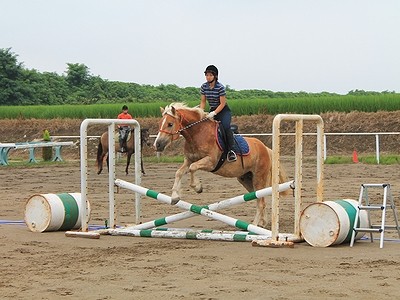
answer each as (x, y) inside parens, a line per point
(241, 147)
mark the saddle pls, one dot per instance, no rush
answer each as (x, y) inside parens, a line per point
(241, 147)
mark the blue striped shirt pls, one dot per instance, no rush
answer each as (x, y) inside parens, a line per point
(212, 95)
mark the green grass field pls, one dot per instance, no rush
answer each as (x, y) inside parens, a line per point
(310, 105)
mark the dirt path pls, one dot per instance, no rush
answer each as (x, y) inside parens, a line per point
(51, 266)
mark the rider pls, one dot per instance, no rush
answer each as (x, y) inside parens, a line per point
(214, 92)
(124, 129)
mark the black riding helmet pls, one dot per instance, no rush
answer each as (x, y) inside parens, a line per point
(213, 70)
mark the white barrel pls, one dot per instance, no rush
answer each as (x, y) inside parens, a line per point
(52, 212)
(327, 223)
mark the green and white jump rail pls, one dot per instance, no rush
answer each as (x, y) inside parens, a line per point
(207, 211)
(191, 234)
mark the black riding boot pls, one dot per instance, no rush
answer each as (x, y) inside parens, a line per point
(231, 156)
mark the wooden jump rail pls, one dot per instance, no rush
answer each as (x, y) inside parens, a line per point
(6, 147)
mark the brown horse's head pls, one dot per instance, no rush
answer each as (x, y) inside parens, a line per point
(175, 117)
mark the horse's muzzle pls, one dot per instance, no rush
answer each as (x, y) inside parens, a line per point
(159, 145)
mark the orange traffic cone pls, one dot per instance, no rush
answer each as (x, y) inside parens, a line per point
(355, 156)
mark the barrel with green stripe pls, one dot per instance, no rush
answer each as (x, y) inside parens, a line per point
(52, 212)
(327, 223)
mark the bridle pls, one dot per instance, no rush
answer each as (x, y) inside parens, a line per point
(182, 128)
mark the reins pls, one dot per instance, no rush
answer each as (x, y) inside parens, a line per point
(183, 127)
(190, 125)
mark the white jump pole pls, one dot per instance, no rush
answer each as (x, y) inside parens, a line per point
(298, 165)
(192, 235)
(111, 177)
(214, 206)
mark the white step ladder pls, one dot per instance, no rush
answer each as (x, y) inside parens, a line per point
(387, 194)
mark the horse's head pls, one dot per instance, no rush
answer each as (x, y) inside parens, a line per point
(170, 125)
(177, 118)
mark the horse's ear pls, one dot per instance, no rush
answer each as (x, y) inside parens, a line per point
(162, 110)
(173, 110)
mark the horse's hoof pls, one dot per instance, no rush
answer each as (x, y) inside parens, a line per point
(174, 201)
(198, 189)
(99, 172)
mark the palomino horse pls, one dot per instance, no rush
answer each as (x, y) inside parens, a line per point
(102, 149)
(201, 152)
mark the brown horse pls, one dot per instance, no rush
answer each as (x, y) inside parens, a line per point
(102, 149)
(201, 152)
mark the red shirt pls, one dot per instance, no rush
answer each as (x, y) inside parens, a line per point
(124, 116)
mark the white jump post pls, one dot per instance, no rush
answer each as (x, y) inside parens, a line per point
(111, 176)
(298, 118)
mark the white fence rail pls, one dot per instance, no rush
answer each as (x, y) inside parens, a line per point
(326, 134)
(376, 134)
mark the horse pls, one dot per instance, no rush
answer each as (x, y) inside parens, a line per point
(201, 152)
(102, 149)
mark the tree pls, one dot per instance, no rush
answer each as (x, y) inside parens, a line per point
(11, 90)
(77, 75)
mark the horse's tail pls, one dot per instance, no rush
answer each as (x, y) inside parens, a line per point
(282, 179)
(282, 174)
(99, 154)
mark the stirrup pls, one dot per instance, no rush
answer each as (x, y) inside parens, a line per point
(231, 157)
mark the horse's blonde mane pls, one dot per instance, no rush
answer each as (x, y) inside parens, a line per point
(181, 105)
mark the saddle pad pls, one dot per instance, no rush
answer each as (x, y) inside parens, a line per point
(241, 147)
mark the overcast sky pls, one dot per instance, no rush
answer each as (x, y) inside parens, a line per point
(280, 45)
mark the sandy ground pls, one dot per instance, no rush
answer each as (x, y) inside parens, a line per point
(52, 266)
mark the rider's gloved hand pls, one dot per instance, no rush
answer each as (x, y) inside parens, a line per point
(211, 115)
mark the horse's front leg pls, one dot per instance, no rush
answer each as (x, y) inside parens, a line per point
(175, 197)
(203, 164)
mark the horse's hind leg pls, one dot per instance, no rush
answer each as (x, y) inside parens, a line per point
(259, 182)
(247, 180)
(175, 197)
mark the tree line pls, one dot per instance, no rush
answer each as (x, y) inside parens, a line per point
(22, 86)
